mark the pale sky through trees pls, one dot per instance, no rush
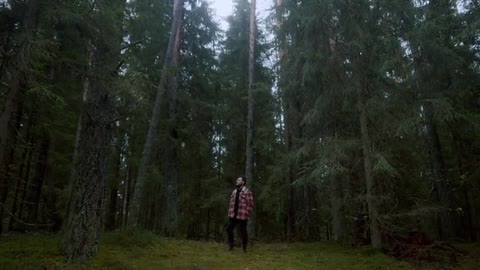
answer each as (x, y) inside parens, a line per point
(223, 8)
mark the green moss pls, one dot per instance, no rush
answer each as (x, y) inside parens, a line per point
(143, 250)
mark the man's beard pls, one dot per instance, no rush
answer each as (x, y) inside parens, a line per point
(239, 185)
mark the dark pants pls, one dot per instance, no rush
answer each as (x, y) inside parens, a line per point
(243, 230)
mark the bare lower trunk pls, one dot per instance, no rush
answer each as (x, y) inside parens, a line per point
(6, 170)
(307, 208)
(290, 215)
(17, 76)
(170, 218)
(375, 233)
(126, 198)
(25, 183)
(83, 223)
(113, 183)
(110, 223)
(36, 185)
(81, 231)
(170, 224)
(439, 182)
(290, 205)
(336, 205)
(249, 158)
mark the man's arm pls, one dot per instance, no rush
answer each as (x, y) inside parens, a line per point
(250, 202)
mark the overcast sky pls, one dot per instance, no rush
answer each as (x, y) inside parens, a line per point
(223, 8)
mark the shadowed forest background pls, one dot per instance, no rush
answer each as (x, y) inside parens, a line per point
(354, 121)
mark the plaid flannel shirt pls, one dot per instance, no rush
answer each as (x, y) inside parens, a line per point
(245, 204)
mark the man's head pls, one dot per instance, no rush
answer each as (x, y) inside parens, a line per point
(241, 181)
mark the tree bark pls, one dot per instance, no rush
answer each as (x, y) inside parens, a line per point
(35, 190)
(85, 211)
(440, 183)
(169, 68)
(374, 222)
(14, 96)
(116, 159)
(336, 204)
(7, 172)
(170, 161)
(18, 72)
(249, 155)
(290, 216)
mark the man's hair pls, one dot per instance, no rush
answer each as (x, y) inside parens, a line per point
(244, 179)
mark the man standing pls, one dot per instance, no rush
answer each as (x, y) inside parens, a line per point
(239, 210)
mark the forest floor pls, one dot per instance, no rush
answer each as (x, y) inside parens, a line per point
(145, 251)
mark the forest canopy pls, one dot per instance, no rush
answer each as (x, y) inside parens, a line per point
(354, 121)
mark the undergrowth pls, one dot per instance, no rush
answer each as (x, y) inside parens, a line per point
(129, 250)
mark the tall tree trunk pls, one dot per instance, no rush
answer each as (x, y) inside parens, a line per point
(126, 197)
(290, 216)
(440, 183)
(83, 222)
(35, 190)
(249, 158)
(170, 161)
(25, 182)
(116, 160)
(84, 219)
(373, 215)
(6, 170)
(19, 181)
(336, 205)
(169, 68)
(18, 75)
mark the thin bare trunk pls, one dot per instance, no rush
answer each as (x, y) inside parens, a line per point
(336, 204)
(38, 178)
(440, 182)
(170, 158)
(25, 182)
(169, 68)
(18, 73)
(375, 233)
(249, 158)
(116, 159)
(126, 198)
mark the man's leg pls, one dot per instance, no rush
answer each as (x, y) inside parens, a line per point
(243, 230)
(230, 228)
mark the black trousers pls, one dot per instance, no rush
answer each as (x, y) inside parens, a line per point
(243, 231)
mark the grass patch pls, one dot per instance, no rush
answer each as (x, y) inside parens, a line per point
(144, 251)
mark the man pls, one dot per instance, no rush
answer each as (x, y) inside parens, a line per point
(239, 210)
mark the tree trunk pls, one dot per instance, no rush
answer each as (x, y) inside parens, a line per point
(116, 159)
(25, 182)
(35, 189)
(84, 214)
(6, 170)
(84, 219)
(17, 75)
(290, 216)
(440, 184)
(126, 198)
(249, 155)
(169, 68)
(362, 89)
(336, 204)
(170, 159)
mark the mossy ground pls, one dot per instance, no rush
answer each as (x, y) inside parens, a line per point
(145, 251)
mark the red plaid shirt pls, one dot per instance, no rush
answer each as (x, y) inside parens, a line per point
(245, 204)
